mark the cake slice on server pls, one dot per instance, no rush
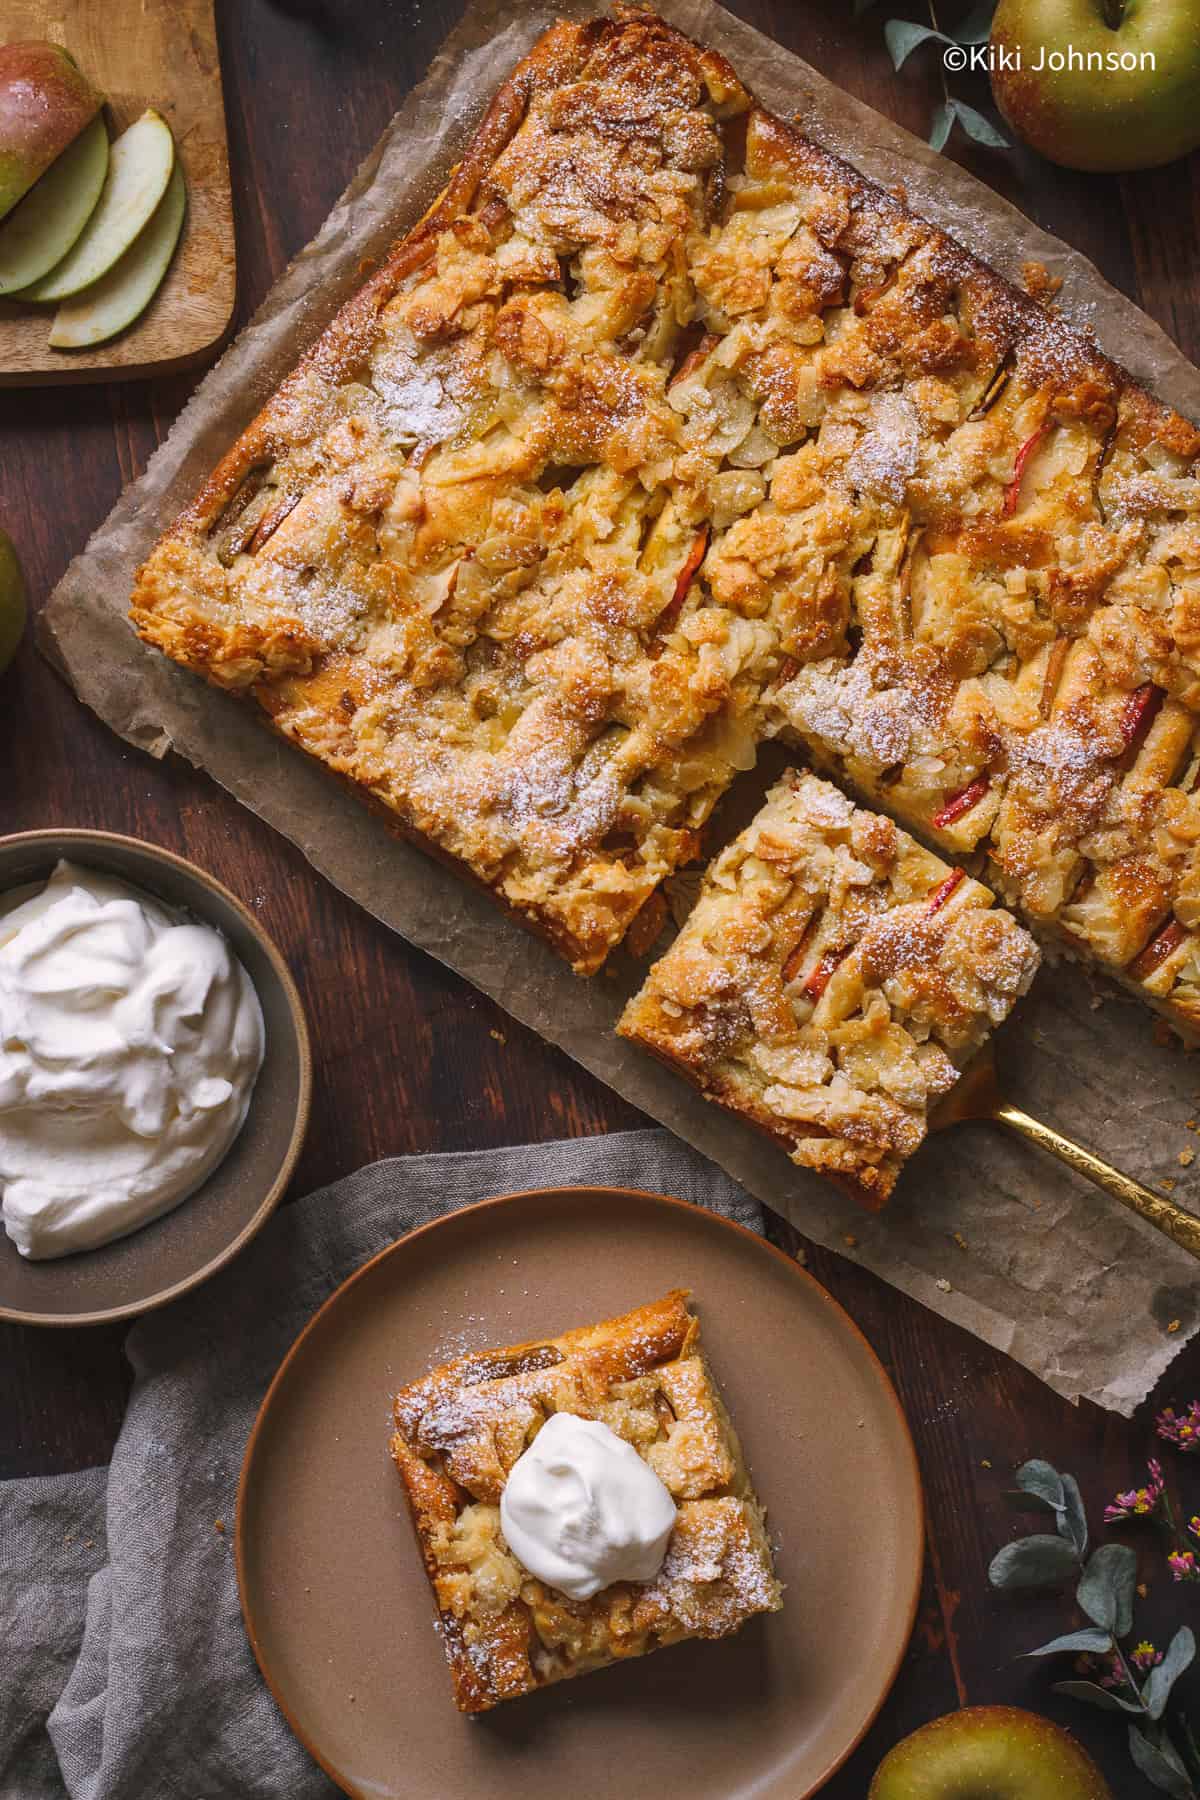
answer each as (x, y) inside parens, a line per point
(831, 982)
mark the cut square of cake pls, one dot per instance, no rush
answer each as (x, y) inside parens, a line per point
(831, 982)
(639, 1392)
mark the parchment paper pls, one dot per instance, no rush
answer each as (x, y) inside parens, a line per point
(983, 1229)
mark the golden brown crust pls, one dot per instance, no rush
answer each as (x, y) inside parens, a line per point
(644, 445)
(460, 1429)
(472, 721)
(830, 983)
(341, 346)
(1020, 686)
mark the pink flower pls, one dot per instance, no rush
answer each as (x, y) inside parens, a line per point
(1145, 1656)
(1193, 1525)
(1137, 1502)
(1181, 1429)
(1183, 1566)
(1116, 1674)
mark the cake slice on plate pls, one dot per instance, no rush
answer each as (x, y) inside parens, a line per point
(604, 1458)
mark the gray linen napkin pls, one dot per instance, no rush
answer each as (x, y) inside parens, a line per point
(121, 1640)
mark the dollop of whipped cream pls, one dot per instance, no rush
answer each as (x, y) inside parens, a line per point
(580, 1509)
(130, 1041)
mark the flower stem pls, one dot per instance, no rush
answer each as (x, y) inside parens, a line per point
(1190, 1747)
(1130, 1677)
(1170, 1523)
(933, 20)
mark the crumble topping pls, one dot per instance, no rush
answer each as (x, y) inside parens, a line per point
(460, 1430)
(667, 432)
(831, 981)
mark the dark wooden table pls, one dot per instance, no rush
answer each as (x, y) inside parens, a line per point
(408, 1056)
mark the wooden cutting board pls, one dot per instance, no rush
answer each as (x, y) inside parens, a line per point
(160, 53)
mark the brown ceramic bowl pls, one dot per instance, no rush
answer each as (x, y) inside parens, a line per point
(336, 1600)
(181, 1249)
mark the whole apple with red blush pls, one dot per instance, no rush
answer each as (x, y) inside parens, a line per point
(1100, 84)
(989, 1753)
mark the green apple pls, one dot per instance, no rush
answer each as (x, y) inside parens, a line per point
(12, 601)
(118, 298)
(45, 102)
(39, 232)
(989, 1753)
(1100, 84)
(139, 168)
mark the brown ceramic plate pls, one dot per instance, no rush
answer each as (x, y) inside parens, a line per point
(335, 1597)
(184, 1247)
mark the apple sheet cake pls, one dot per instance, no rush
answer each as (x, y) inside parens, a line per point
(830, 983)
(664, 432)
(459, 1432)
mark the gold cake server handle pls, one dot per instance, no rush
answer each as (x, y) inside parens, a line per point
(977, 1096)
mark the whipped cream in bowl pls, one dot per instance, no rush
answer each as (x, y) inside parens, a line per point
(130, 1041)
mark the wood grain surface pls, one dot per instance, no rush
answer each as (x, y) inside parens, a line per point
(408, 1057)
(140, 53)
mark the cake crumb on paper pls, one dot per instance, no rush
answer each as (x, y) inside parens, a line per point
(1037, 280)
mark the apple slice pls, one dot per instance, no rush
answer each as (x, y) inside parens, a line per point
(41, 230)
(139, 168)
(117, 299)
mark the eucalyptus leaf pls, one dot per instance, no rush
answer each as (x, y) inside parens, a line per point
(1160, 1763)
(1038, 1561)
(1042, 1481)
(1162, 1678)
(943, 124)
(977, 127)
(1095, 1695)
(1090, 1639)
(1072, 1520)
(1043, 1489)
(977, 26)
(1105, 1591)
(902, 38)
